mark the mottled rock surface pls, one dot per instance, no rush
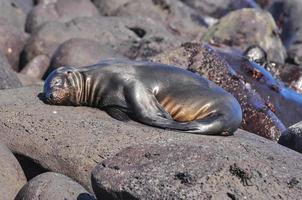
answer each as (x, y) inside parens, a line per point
(292, 137)
(61, 11)
(12, 177)
(246, 27)
(50, 186)
(37, 67)
(240, 167)
(13, 12)
(8, 78)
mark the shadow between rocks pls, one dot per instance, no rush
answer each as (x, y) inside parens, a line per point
(30, 167)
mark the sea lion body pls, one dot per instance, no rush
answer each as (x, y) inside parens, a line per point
(154, 94)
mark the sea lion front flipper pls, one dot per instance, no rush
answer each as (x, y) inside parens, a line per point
(117, 113)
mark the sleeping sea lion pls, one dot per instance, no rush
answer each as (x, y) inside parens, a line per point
(151, 93)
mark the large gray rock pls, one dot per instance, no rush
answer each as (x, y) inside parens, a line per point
(37, 67)
(240, 167)
(12, 41)
(81, 52)
(177, 17)
(292, 137)
(131, 37)
(8, 78)
(12, 177)
(61, 10)
(246, 27)
(50, 186)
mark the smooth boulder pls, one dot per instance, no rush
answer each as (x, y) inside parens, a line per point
(50, 186)
(8, 77)
(292, 137)
(12, 177)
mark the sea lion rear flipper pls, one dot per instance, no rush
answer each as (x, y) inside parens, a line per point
(116, 113)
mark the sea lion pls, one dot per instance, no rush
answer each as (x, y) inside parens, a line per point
(151, 93)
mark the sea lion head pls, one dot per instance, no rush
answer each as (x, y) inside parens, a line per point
(62, 87)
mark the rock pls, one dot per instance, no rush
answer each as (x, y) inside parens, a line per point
(177, 17)
(24, 5)
(45, 1)
(131, 37)
(49, 186)
(292, 137)
(81, 52)
(27, 80)
(8, 78)
(12, 41)
(278, 98)
(61, 11)
(218, 8)
(240, 167)
(12, 177)
(287, 15)
(204, 60)
(14, 14)
(246, 27)
(37, 67)
(72, 140)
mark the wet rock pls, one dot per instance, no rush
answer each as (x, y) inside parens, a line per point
(13, 13)
(243, 168)
(278, 98)
(12, 41)
(8, 78)
(72, 140)
(81, 52)
(287, 15)
(178, 18)
(12, 177)
(243, 28)
(61, 10)
(131, 37)
(219, 8)
(205, 61)
(37, 67)
(292, 137)
(49, 186)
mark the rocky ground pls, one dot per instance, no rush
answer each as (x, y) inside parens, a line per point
(61, 152)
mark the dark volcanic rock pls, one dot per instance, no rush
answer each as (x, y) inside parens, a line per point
(292, 137)
(219, 8)
(246, 27)
(178, 18)
(61, 10)
(278, 98)
(12, 177)
(8, 78)
(254, 168)
(50, 186)
(12, 41)
(132, 37)
(258, 117)
(81, 52)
